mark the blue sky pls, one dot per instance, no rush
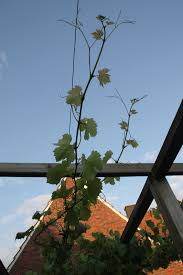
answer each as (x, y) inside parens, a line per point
(35, 73)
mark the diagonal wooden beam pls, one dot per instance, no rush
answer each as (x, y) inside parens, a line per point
(167, 155)
(170, 209)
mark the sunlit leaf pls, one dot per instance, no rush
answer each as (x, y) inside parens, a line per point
(104, 76)
(89, 126)
(74, 96)
(123, 125)
(132, 142)
(97, 34)
(107, 156)
(64, 150)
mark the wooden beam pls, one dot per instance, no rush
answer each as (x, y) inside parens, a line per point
(170, 209)
(172, 144)
(123, 170)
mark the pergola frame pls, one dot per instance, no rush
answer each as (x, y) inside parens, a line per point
(156, 186)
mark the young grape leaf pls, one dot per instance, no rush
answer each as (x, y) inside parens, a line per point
(104, 76)
(111, 180)
(62, 192)
(64, 149)
(74, 96)
(92, 165)
(89, 126)
(109, 22)
(107, 156)
(123, 125)
(97, 34)
(56, 173)
(94, 189)
(132, 142)
(134, 112)
(21, 235)
(100, 17)
(71, 217)
(37, 215)
(85, 213)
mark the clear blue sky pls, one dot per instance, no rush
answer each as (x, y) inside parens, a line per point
(35, 72)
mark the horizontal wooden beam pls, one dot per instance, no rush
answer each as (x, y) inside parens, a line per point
(164, 161)
(170, 209)
(123, 170)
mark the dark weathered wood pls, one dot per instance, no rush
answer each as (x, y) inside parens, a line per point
(3, 270)
(123, 170)
(171, 145)
(138, 213)
(170, 209)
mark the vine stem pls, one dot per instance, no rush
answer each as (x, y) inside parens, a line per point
(92, 75)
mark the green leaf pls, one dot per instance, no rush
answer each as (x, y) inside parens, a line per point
(109, 22)
(134, 112)
(89, 126)
(71, 217)
(111, 180)
(100, 17)
(64, 150)
(31, 273)
(97, 34)
(59, 171)
(62, 192)
(104, 77)
(123, 125)
(21, 235)
(107, 156)
(74, 96)
(150, 224)
(93, 164)
(94, 189)
(132, 142)
(85, 213)
(36, 215)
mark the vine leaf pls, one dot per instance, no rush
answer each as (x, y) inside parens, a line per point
(134, 112)
(85, 213)
(94, 189)
(71, 217)
(111, 180)
(104, 77)
(64, 149)
(37, 215)
(75, 96)
(107, 156)
(62, 192)
(100, 17)
(21, 235)
(92, 165)
(89, 126)
(59, 171)
(132, 142)
(123, 125)
(97, 34)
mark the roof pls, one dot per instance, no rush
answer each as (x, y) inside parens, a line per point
(104, 217)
